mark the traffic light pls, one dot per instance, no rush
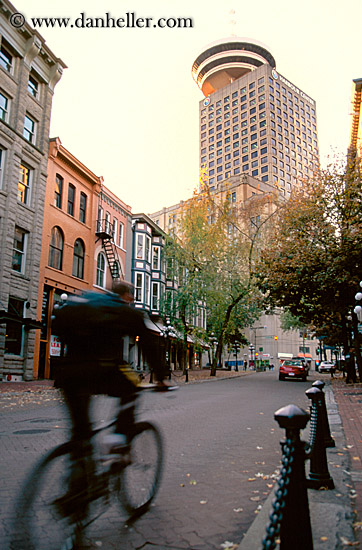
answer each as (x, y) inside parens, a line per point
(275, 337)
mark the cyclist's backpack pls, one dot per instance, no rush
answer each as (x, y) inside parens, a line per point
(85, 314)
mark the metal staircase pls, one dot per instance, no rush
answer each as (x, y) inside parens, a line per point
(105, 233)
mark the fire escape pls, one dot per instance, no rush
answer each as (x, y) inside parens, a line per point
(105, 233)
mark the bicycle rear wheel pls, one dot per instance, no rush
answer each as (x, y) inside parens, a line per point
(139, 481)
(39, 524)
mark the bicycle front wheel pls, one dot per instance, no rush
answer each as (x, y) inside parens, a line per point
(40, 524)
(139, 481)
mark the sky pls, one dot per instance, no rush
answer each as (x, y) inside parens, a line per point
(127, 105)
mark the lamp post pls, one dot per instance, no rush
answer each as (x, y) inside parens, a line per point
(236, 349)
(358, 309)
(213, 341)
(255, 329)
(252, 361)
(167, 333)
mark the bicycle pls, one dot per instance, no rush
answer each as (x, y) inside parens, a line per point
(47, 516)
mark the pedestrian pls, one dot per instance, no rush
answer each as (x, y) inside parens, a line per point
(350, 367)
(245, 365)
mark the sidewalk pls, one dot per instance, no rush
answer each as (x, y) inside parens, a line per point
(178, 377)
(336, 515)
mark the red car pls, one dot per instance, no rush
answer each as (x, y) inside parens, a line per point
(293, 368)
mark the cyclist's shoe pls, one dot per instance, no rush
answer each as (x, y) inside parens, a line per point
(163, 386)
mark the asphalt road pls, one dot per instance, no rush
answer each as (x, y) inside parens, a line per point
(222, 457)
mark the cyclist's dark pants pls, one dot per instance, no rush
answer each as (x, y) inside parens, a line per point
(81, 380)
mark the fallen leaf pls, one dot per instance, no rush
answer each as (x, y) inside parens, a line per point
(323, 539)
(193, 482)
(182, 485)
(259, 448)
(357, 458)
(346, 542)
(237, 510)
(203, 501)
(228, 545)
(251, 479)
(255, 499)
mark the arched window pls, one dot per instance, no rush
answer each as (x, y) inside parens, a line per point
(56, 248)
(101, 270)
(78, 259)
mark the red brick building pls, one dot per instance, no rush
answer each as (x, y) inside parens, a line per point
(68, 243)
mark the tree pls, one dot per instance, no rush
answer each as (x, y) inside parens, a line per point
(212, 258)
(314, 263)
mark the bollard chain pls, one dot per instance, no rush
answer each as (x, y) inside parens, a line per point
(273, 528)
(309, 447)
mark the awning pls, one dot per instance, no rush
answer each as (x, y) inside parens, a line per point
(305, 355)
(285, 355)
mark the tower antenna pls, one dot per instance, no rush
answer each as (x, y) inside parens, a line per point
(232, 22)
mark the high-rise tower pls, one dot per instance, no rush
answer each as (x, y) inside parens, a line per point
(252, 119)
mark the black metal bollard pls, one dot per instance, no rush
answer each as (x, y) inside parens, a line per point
(290, 517)
(187, 374)
(328, 439)
(318, 475)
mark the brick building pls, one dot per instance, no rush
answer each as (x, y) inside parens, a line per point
(68, 242)
(29, 72)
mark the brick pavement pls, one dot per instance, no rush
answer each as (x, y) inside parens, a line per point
(349, 400)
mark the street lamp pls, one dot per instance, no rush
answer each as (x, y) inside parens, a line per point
(213, 341)
(236, 349)
(358, 309)
(252, 349)
(168, 332)
(255, 329)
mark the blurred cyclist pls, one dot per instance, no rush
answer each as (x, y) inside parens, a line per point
(94, 364)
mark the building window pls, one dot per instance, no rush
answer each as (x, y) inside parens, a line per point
(147, 289)
(2, 161)
(82, 207)
(14, 329)
(19, 250)
(78, 259)
(6, 59)
(114, 230)
(101, 270)
(56, 248)
(156, 257)
(33, 86)
(24, 184)
(58, 191)
(148, 250)
(121, 231)
(29, 129)
(139, 246)
(71, 199)
(138, 287)
(4, 107)
(108, 225)
(155, 296)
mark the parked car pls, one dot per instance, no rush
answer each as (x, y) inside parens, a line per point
(293, 368)
(326, 366)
